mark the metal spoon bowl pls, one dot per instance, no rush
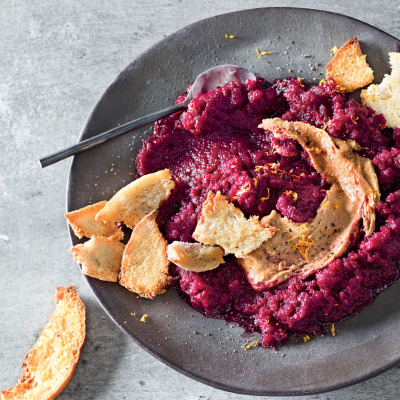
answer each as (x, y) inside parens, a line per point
(208, 80)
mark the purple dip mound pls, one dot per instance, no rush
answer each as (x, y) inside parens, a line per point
(216, 145)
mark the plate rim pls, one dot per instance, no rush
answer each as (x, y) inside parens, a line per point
(84, 132)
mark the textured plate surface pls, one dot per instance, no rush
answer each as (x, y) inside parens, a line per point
(205, 349)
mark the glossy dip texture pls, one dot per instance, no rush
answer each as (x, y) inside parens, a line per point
(216, 145)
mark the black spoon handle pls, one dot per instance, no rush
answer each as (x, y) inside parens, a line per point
(105, 136)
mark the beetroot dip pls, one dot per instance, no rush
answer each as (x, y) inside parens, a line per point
(216, 145)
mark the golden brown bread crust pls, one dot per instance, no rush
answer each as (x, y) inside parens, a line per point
(349, 67)
(50, 364)
(196, 257)
(83, 222)
(100, 257)
(139, 198)
(145, 264)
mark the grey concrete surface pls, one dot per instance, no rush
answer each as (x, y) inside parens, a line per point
(57, 58)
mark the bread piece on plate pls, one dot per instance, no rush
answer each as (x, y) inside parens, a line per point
(139, 198)
(83, 222)
(100, 257)
(385, 97)
(144, 262)
(49, 365)
(349, 67)
(195, 257)
(222, 224)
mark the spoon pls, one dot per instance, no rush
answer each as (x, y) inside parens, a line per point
(210, 79)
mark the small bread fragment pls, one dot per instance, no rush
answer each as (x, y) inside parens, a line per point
(139, 198)
(195, 257)
(145, 264)
(222, 224)
(349, 67)
(100, 257)
(83, 222)
(49, 365)
(385, 97)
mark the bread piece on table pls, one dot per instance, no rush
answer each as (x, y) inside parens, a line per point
(100, 257)
(83, 222)
(195, 257)
(139, 198)
(385, 97)
(349, 67)
(222, 224)
(145, 264)
(49, 365)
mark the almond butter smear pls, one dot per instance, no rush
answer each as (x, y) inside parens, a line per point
(302, 249)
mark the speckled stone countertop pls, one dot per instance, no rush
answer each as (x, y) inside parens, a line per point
(57, 58)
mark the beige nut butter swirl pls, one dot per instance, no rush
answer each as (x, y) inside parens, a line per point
(302, 249)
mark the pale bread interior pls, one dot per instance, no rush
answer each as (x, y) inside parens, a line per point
(385, 97)
(222, 224)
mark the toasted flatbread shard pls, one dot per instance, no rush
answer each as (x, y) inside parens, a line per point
(83, 222)
(144, 262)
(100, 257)
(49, 365)
(195, 257)
(385, 97)
(349, 67)
(222, 224)
(138, 199)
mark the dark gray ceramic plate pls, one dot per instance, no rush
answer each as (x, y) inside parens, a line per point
(364, 345)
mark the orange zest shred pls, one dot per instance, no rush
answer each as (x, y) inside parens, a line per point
(315, 150)
(245, 188)
(290, 192)
(262, 53)
(277, 37)
(336, 205)
(334, 50)
(322, 82)
(255, 180)
(333, 330)
(354, 120)
(249, 346)
(266, 198)
(326, 125)
(143, 319)
(301, 83)
(133, 314)
(229, 36)
(303, 245)
(306, 338)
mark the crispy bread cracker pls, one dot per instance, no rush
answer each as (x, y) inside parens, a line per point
(385, 97)
(195, 257)
(144, 262)
(49, 365)
(83, 222)
(139, 198)
(349, 67)
(222, 224)
(100, 257)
